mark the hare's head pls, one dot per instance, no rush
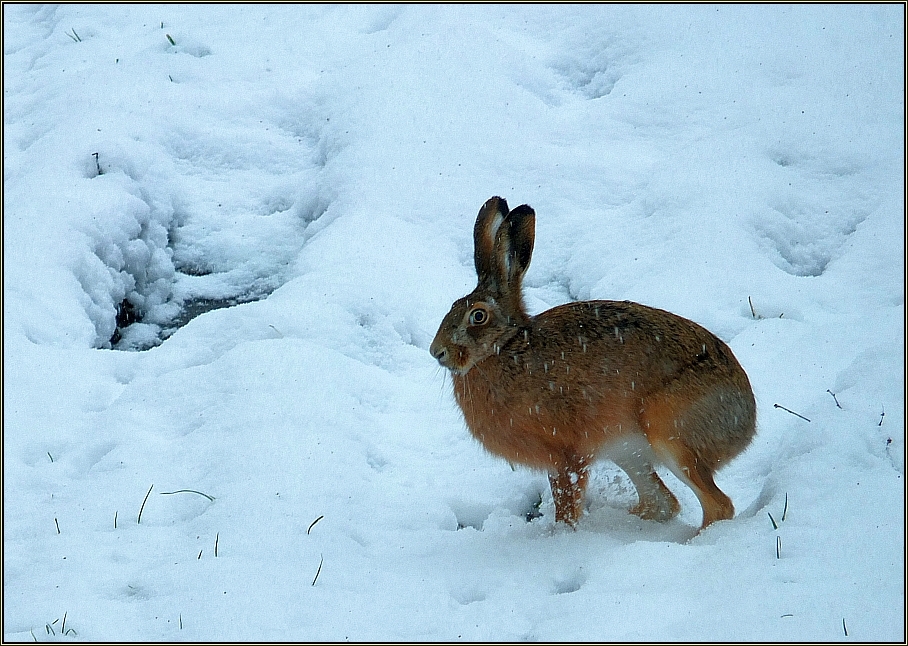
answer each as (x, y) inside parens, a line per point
(480, 322)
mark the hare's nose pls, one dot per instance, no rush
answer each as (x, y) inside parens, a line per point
(440, 353)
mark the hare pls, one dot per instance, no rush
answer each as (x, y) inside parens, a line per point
(590, 380)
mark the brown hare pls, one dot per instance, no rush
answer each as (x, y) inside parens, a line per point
(590, 380)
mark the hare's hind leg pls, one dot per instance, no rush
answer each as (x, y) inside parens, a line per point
(655, 502)
(690, 442)
(697, 475)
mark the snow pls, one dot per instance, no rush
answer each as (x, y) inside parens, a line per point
(318, 169)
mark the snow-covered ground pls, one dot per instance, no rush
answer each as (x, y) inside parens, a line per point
(320, 168)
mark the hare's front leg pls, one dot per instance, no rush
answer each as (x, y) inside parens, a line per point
(568, 488)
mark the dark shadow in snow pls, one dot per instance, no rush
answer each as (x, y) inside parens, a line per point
(533, 512)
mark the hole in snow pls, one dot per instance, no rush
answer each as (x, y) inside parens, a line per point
(166, 288)
(132, 333)
(470, 515)
(158, 260)
(533, 512)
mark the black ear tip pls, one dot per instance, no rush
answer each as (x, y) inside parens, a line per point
(523, 209)
(499, 202)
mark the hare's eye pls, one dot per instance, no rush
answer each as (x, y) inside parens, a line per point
(479, 316)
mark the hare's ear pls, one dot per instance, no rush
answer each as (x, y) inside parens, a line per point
(503, 246)
(485, 235)
(517, 250)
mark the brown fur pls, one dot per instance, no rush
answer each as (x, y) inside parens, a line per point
(589, 380)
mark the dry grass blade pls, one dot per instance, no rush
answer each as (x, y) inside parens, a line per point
(790, 411)
(313, 524)
(170, 493)
(319, 570)
(142, 508)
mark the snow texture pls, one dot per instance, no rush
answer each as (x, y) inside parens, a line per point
(231, 231)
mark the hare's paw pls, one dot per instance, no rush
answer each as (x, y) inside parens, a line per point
(657, 508)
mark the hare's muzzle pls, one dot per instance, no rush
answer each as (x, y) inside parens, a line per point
(440, 352)
(450, 357)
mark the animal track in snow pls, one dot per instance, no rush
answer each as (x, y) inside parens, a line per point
(592, 78)
(803, 238)
(594, 61)
(468, 593)
(375, 460)
(809, 220)
(569, 582)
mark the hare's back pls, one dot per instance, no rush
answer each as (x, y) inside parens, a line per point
(650, 346)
